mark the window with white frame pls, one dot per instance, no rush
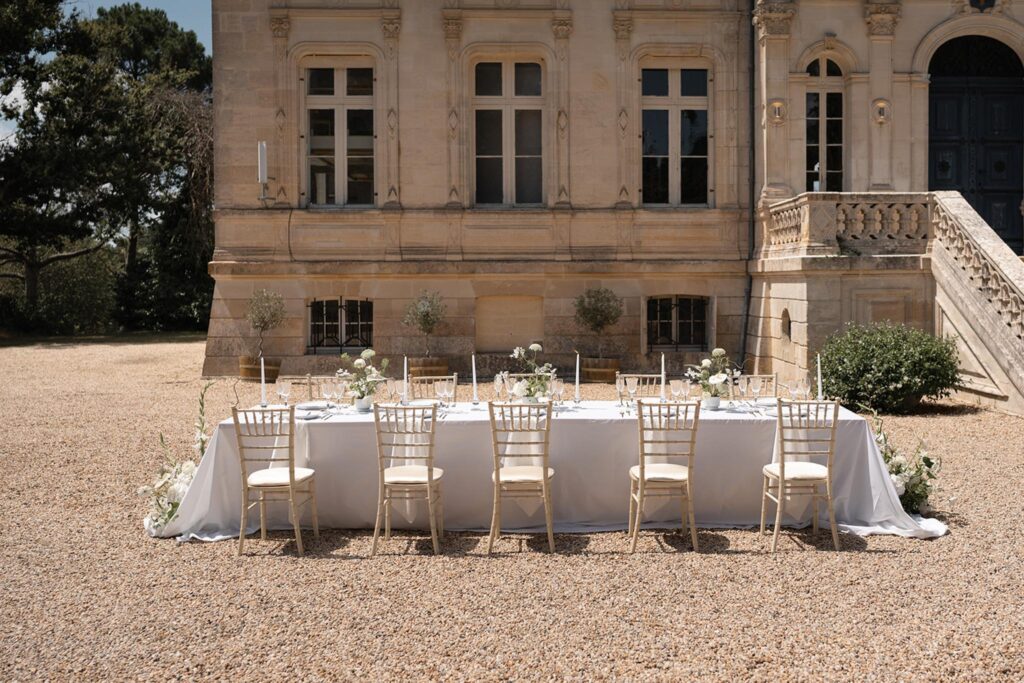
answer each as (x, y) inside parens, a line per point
(340, 323)
(678, 323)
(339, 133)
(675, 136)
(824, 150)
(508, 138)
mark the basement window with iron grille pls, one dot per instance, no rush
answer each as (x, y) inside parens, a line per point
(337, 325)
(677, 323)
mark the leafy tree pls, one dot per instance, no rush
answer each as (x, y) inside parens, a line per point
(28, 28)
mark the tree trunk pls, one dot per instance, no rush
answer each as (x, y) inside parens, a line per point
(32, 287)
(132, 252)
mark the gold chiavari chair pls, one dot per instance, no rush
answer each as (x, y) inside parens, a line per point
(423, 387)
(262, 433)
(647, 386)
(405, 434)
(805, 429)
(769, 386)
(668, 432)
(520, 431)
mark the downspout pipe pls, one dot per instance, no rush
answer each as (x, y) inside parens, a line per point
(752, 188)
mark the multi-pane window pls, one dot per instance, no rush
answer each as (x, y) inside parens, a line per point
(508, 141)
(340, 135)
(340, 324)
(678, 322)
(824, 160)
(675, 136)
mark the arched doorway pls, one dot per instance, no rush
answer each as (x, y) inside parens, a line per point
(976, 130)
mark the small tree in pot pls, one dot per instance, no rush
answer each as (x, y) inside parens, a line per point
(425, 314)
(266, 312)
(597, 309)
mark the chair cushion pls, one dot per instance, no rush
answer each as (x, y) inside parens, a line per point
(278, 476)
(805, 471)
(661, 471)
(519, 474)
(410, 474)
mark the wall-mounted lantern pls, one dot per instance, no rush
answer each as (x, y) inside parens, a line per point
(777, 111)
(881, 111)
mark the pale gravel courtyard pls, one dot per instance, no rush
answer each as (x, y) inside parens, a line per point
(85, 595)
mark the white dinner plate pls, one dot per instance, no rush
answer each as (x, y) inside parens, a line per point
(312, 405)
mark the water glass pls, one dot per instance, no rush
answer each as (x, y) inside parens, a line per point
(620, 387)
(283, 390)
(744, 386)
(755, 387)
(499, 386)
(676, 387)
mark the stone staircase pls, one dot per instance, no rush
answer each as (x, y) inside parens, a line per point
(978, 280)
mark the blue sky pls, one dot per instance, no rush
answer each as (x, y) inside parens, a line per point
(193, 15)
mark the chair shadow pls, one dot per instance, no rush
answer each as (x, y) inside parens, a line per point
(707, 542)
(281, 543)
(954, 520)
(806, 539)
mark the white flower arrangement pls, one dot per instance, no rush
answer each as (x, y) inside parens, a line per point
(175, 476)
(364, 378)
(540, 376)
(714, 374)
(913, 477)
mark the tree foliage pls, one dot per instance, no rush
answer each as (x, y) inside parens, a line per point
(597, 309)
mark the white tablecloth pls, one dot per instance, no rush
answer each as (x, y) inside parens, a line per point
(592, 448)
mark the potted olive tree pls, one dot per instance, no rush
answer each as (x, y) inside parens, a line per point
(425, 314)
(266, 312)
(597, 309)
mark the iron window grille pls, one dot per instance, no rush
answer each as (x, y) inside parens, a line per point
(677, 323)
(339, 324)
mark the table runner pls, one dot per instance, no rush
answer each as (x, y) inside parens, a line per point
(593, 445)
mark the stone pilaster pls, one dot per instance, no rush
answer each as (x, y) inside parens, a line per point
(391, 28)
(881, 19)
(622, 24)
(280, 26)
(772, 19)
(452, 19)
(561, 27)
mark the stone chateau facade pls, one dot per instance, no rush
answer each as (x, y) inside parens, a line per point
(750, 175)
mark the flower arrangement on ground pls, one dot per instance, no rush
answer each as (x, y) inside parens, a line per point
(362, 376)
(714, 374)
(175, 476)
(539, 377)
(914, 476)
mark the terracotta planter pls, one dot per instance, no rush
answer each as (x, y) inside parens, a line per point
(249, 368)
(430, 366)
(599, 369)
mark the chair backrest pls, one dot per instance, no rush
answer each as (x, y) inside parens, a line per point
(312, 385)
(668, 431)
(520, 430)
(806, 429)
(405, 435)
(769, 385)
(264, 435)
(423, 386)
(646, 386)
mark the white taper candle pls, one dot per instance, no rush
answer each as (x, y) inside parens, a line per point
(263, 384)
(662, 376)
(476, 398)
(577, 377)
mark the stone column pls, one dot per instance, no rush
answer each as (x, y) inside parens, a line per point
(772, 18)
(561, 27)
(881, 18)
(391, 27)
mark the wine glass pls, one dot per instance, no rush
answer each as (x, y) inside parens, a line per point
(632, 384)
(755, 387)
(620, 387)
(676, 387)
(744, 386)
(389, 385)
(557, 387)
(449, 391)
(499, 386)
(802, 389)
(283, 390)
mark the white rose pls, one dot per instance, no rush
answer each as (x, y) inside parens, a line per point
(715, 380)
(706, 363)
(536, 348)
(368, 354)
(359, 363)
(149, 526)
(520, 389)
(897, 482)
(718, 353)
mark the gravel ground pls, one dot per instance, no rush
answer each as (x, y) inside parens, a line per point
(86, 595)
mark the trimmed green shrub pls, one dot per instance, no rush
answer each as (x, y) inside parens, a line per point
(888, 368)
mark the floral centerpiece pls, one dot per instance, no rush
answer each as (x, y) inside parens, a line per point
(538, 378)
(913, 477)
(714, 375)
(175, 476)
(363, 377)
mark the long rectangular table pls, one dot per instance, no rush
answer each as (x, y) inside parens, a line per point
(593, 445)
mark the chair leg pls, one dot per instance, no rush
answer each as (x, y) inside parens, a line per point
(815, 501)
(440, 515)
(632, 505)
(295, 523)
(682, 511)
(764, 501)
(312, 503)
(387, 518)
(263, 517)
(778, 514)
(495, 520)
(432, 513)
(546, 490)
(832, 515)
(639, 516)
(376, 524)
(244, 522)
(693, 520)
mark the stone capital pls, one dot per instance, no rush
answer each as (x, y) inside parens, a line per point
(562, 28)
(280, 26)
(882, 17)
(391, 27)
(773, 17)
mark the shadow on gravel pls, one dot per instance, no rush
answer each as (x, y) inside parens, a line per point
(130, 339)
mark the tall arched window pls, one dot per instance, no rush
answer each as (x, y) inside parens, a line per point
(824, 126)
